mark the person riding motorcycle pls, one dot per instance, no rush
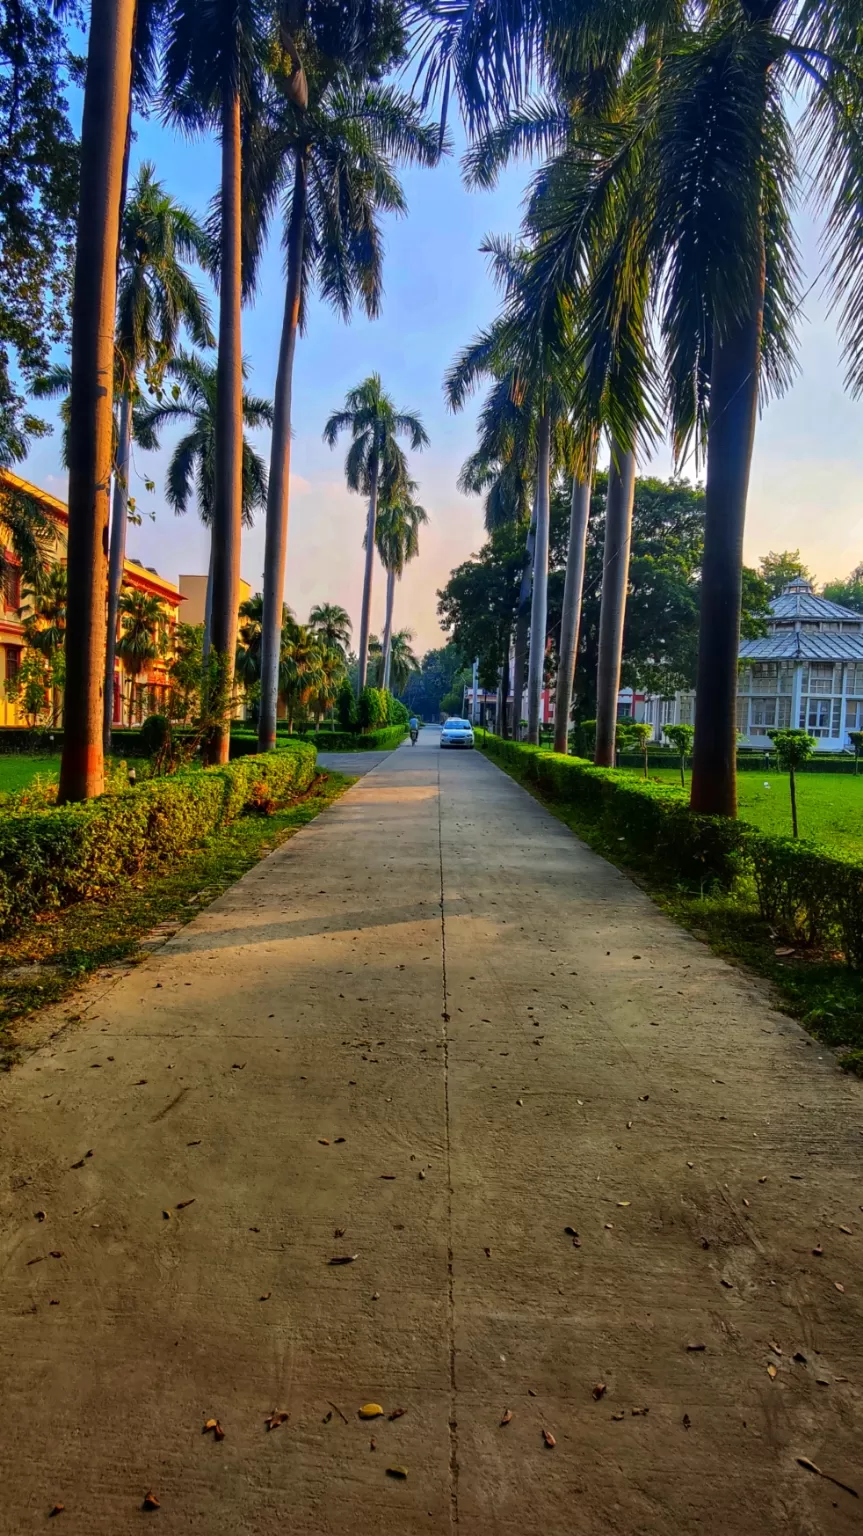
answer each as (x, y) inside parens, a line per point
(414, 727)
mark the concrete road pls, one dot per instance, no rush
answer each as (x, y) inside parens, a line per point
(593, 1188)
(352, 762)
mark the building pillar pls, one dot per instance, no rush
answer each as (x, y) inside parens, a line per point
(796, 695)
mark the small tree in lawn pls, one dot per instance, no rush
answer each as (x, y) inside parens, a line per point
(681, 737)
(793, 748)
(346, 708)
(856, 738)
(639, 734)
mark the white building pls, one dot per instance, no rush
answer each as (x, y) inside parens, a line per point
(806, 673)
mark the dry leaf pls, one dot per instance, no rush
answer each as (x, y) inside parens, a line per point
(322, 1141)
(41, 1216)
(339, 1232)
(397, 1413)
(839, 1286)
(506, 1417)
(846, 1230)
(803, 1461)
(800, 1357)
(266, 1296)
(215, 1426)
(763, 1179)
(686, 1421)
(817, 1251)
(782, 953)
(181, 1205)
(56, 1510)
(166, 1215)
(150, 1501)
(643, 1098)
(327, 1416)
(772, 1372)
(371, 1411)
(387, 1175)
(549, 1439)
(696, 1348)
(340, 1139)
(519, 1101)
(775, 1347)
(622, 1204)
(729, 1284)
(530, 1392)
(629, 1125)
(638, 1413)
(275, 1419)
(343, 1258)
(609, 1226)
(599, 1390)
(373, 1445)
(616, 1417)
(570, 1231)
(400, 1472)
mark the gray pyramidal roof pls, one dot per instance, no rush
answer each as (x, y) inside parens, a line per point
(798, 605)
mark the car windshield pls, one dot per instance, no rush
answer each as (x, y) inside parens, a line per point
(456, 725)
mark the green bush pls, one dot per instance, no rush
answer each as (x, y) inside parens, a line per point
(373, 741)
(154, 733)
(396, 712)
(54, 857)
(372, 709)
(346, 709)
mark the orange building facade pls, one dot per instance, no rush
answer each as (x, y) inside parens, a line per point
(146, 691)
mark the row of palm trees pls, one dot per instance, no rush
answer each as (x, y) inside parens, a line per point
(305, 125)
(657, 281)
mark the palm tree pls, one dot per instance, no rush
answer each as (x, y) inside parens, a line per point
(103, 141)
(403, 661)
(192, 468)
(399, 522)
(45, 627)
(333, 625)
(213, 79)
(573, 591)
(142, 618)
(28, 535)
(375, 466)
(155, 298)
(302, 674)
(333, 160)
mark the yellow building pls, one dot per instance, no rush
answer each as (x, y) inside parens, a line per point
(193, 590)
(149, 685)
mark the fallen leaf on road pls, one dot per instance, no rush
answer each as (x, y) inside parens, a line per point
(387, 1175)
(763, 1179)
(343, 1258)
(638, 1413)
(82, 1160)
(772, 1372)
(839, 1286)
(150, 1501)
(487, 1252)
(167, 1215)
(56, 1253)
(629, 1125)
(622, 1204)
(399, 1472)
(775, 1348)
(729, 1284)
(42, 1216)
(530, 1392)
(340, 1139)
(194, 1143)
(599, 1390)
(803, 1461)
(686, 1421)
(846, 1230)
(275, 1419)
(782, 953)
(696, 1348)
(519, 1101)
(643, 1098)
(181, 1205)
(56, 1510)
(327, 1416)
(506, 1417)
(616, 1417)
(570, 1231)
(397, 1413)
(339, 1232)
(800, 1357)
(266, 1296)
(237, 1066)
(371, 1411)
(818, 1251)
(322, 1141)
(35, 1261)
(549, 1439)
(215, 1426)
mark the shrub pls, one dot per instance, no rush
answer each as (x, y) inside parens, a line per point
(372, 711)
(154, 733)
(396, 712)
(51, 858)
(346, 709)
(373, 741)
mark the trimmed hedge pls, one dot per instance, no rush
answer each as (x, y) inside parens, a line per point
(51, 858)
(372, 741)
(808, 894)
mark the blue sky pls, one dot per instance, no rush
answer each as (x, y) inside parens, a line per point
(807, 482)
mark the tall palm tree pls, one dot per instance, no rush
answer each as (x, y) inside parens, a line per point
(192, 469)
(213, 79)
(156, 296)
(333, 160)
(142, 618)
(403, 660)
(45, 626)
(399, 522)
(374, 466)
(103, 141)
(302, 674)
(28, 535)
(333, 625)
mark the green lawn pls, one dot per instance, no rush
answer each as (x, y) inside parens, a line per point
(18, 771)
(829, 805)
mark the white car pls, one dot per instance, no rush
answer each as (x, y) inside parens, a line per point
(456, 733)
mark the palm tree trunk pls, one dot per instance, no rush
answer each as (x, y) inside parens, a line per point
(388, 627)
(117, 556)
(228, 501)
(612, 611)
(278, 490)
(504, 690)
(521, 626)
(570, 622)
(731, 434)
(539, 601)
(103, 140)
(365, 616)
(208, 610)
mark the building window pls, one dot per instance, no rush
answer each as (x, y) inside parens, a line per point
(11, 586)
(743, 716)
(855, 679)
(624, 710)
(13, 662)
(687, 708)
(816, 716)
(820, 677)
(770, 714)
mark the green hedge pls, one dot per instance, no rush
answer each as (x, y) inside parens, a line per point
(808, 894)
(52, 858)
(370, 741)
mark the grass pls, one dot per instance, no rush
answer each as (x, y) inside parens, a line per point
(823, 993)
(18, 771)
(829, 805)
(43, 964)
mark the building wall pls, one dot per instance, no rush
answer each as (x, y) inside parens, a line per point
(193, 589)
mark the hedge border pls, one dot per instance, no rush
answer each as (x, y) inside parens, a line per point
(52, 858)
(808, 893)
(373, 741)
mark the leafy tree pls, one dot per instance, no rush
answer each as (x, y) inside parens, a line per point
(333, 161)
(438, 668)
(28, 537)
(639, 733)
(375, 466)
(403, 662)
(848, 593)
(142, 619)
(30, 686)
(478, 607)
(346, 706)
(778, 569)
(399, 522)
(38, 200)
(856, 739)
(45, 629)
(155, 297)
(681, 736)
(333, 625)
(184, 672)
(793, 749)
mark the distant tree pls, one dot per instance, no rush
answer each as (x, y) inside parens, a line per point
(793, 748)
(639, 733)
(346, 706)
(856, 739)
(142, 618)
(681, 737)
(333, 625)
(778, 569)
(45, 630)
(848, 593)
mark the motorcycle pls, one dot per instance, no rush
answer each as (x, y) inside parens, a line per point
(414, 735)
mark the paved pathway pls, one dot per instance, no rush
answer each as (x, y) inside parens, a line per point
(433, 1032)
(352, 762)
